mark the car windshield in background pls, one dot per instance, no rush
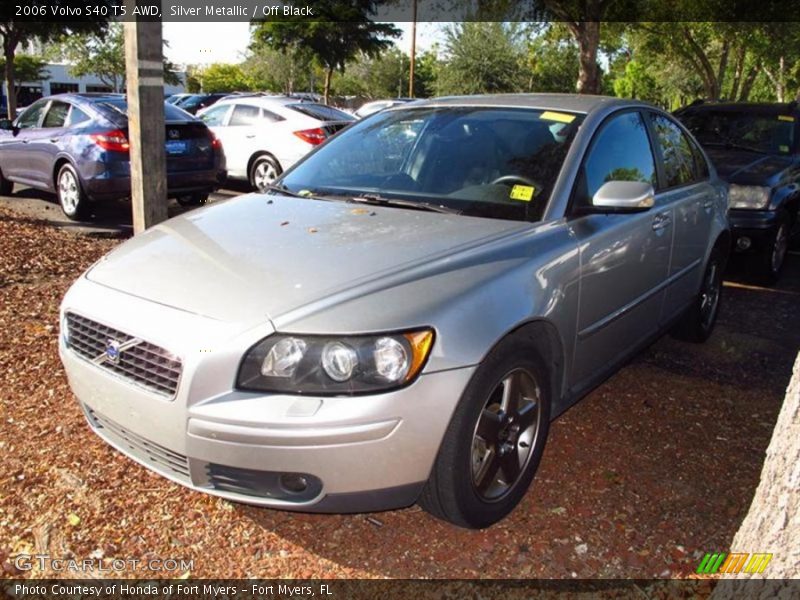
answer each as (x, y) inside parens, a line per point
(171, 113)
(767, 133)
(321, 112)
(488, 162)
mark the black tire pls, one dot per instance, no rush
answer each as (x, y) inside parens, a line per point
(192, 199)
(70, 194)
(455, 492)
(6, 186)
(697, 323)
(766, 266)
(263, 172)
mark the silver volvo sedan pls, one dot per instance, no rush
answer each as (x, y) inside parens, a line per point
(399, 318)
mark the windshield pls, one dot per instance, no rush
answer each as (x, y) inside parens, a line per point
(171, 113)
(768, 133)
(489, 162)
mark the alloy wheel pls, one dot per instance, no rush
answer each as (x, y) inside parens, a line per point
(505, 435)
(709, 295)
(263, 175)
(779, 248)
(68, 192)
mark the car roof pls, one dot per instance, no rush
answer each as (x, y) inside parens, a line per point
(578, 103)
(756, 107)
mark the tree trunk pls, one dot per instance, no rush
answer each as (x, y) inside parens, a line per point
(738, 73)
(328, 76)
(747, 86)
(772, 524)
(710, 80)
(587, 34)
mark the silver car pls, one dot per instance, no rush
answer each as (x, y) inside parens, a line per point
(401, 316)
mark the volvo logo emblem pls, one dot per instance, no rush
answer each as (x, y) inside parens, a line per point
(174, 134)
(113, 350)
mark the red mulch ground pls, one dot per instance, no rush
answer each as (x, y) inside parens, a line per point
(640, 479)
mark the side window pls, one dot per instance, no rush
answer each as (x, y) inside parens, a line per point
(76, 117)
(620, 152)
(270, 117)
(30, 118)
(680, 160)
(701, 165)
(56, 115)
(215, 116)
(244, 115)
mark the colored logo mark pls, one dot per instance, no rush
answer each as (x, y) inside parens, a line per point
(735, 562)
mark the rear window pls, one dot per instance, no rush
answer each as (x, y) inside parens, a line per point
(120, 106)
(321, 112)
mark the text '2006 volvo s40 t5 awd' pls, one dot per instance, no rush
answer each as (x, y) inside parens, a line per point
(399, 318)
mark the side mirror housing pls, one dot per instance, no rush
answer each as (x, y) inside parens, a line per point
(624, 196)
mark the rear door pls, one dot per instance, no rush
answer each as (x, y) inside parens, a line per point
(44, 142)
(624, 256)
(686, 187)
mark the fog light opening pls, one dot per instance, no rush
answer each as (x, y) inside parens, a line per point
(743, 243)
(293, 483)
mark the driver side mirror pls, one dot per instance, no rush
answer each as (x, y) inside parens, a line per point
(624, 196)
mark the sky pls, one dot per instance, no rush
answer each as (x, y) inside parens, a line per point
(205, 43)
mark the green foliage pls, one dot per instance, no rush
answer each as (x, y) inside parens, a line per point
(482, 57)
(280, 71)
(637, 82)
(552, 61)
(223, 77)
(28, 68)
(343, 29)
(386, 75)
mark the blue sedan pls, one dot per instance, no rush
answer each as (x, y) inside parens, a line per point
(76, 145)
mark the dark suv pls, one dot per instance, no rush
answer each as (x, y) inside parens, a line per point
(76, 145)
(755, 149)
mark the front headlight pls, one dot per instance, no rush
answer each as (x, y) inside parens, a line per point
(334, 365)
(753, 197)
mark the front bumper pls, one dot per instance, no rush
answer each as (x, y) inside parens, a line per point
(757, 226)
(355, 453)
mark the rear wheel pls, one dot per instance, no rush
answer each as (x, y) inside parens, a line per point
(698, 322)
(495, 440)
(263, 172)
(6, 186)
(71, 197)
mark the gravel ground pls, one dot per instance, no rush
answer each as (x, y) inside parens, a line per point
(640, 479)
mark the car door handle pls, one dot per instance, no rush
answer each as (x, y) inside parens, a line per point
(54, 140)
(661, 221)
(708, 204)
(25, 141)
(250, 136)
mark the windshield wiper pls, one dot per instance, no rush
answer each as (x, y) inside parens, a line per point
(285, 191)
(382, 201)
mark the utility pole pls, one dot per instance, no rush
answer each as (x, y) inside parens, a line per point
(145, 75)
(413, 49)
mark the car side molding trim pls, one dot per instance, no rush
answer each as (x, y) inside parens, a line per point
(607, 320)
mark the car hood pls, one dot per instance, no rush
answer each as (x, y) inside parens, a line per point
(741, 166)
(257, 257)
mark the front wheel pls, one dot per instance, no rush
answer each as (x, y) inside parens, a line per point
(698, 322)
(192, 199)
(71, 197)
(495, 440)
(769, 262)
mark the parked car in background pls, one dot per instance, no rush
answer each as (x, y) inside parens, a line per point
(197, 102)
(755, 149)
(76, 145)
(265, 135)
(370, 108)
(175, 98)
(401, 317)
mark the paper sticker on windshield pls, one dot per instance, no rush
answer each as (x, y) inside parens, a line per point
(522, 192)
(550, 115)
(787, 118)
(783, 148)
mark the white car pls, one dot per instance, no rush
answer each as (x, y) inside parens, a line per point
(262, 136)
(370, 108)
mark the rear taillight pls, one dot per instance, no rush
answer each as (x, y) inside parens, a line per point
(215, 143)
(115, 141)
(312, 136)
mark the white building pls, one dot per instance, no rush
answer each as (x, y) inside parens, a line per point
(61, 81)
